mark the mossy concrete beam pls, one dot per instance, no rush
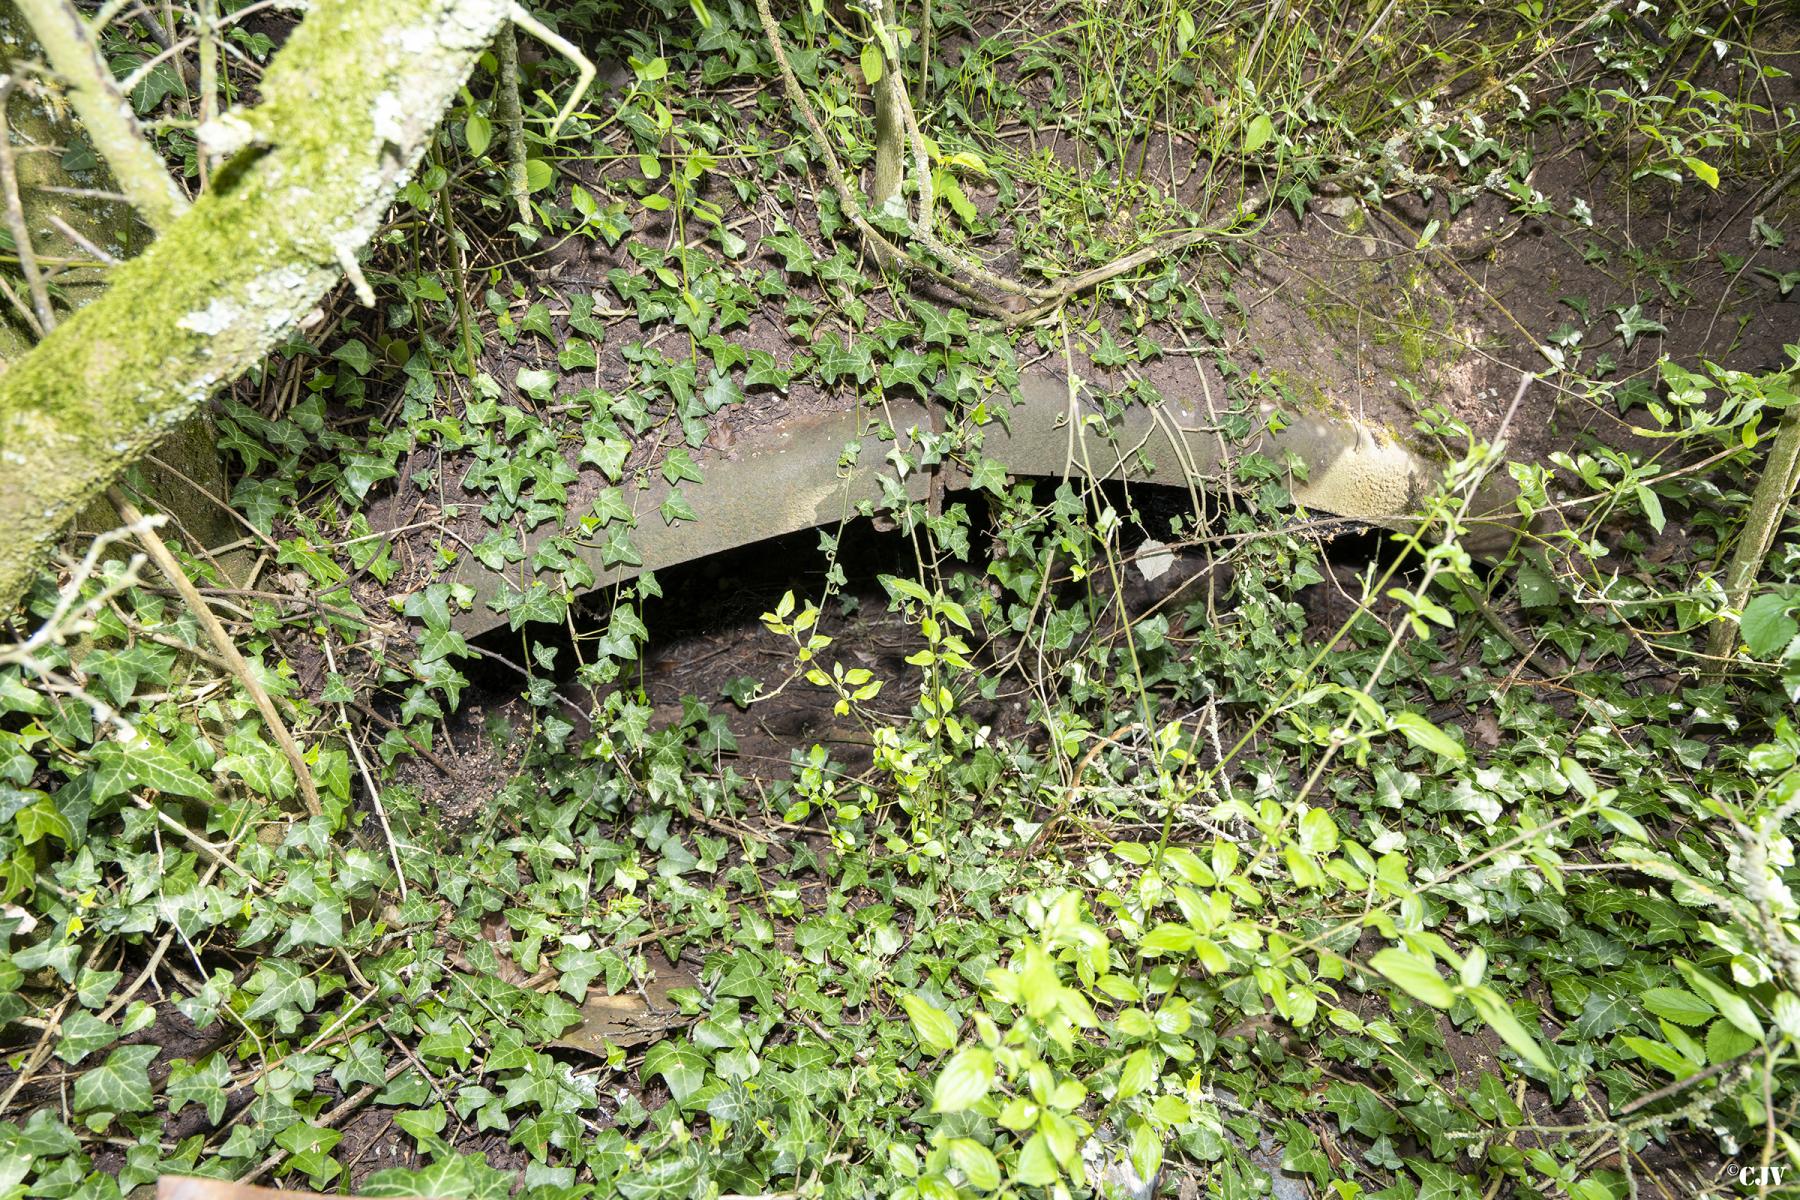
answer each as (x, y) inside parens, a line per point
(349, 105)
(795, 476)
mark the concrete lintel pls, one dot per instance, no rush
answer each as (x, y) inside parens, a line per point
(795, 476)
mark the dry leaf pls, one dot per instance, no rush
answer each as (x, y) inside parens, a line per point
(631, 1018)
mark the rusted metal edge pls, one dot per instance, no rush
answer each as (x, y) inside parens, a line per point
(805, 473)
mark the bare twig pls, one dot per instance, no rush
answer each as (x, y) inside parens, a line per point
(368, 778)
(75, 235)
(331, 1118)
(171, 569)
(46, 1041)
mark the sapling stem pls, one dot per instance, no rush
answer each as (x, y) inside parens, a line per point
(1768, 505)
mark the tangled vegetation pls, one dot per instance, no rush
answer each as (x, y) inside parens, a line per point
(1189, 840)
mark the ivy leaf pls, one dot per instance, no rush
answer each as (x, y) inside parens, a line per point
(905, 368)
(577, 355)
(670, 1177)
(355, 355)
(82, 1034)
(422, 1123)
(989, 474)
(119, 1085)
(45, 1137)
(741, 690)
(618, 549)
(796, 253)
(431, 605)
(837, 361)
(679, 465)
(536, 383)
(147, 764)
(721, 391)
(304, 1138)
(320, 925)
(679, 1064)
(1634, 324)
(676, 508)
(938, 327)
(203, 1084)
(282, 990)
(610, 506)
(437, 644)
(762, 370)
(35, 822)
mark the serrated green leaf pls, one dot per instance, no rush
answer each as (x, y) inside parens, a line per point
(1678, 1005)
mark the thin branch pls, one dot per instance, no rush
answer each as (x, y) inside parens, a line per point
(563, 46)
(512, 121)
(171, 569)
(15, 218)
(80, 239)
(109, 120)
(1769, 506)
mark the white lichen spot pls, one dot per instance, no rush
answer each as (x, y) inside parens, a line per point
(225, 135)
(389, 115)
(218, 316)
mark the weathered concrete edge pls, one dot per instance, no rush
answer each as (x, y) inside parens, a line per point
(797, 476)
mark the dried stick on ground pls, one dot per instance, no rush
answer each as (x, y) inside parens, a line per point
(109, 120)
(221, 640)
